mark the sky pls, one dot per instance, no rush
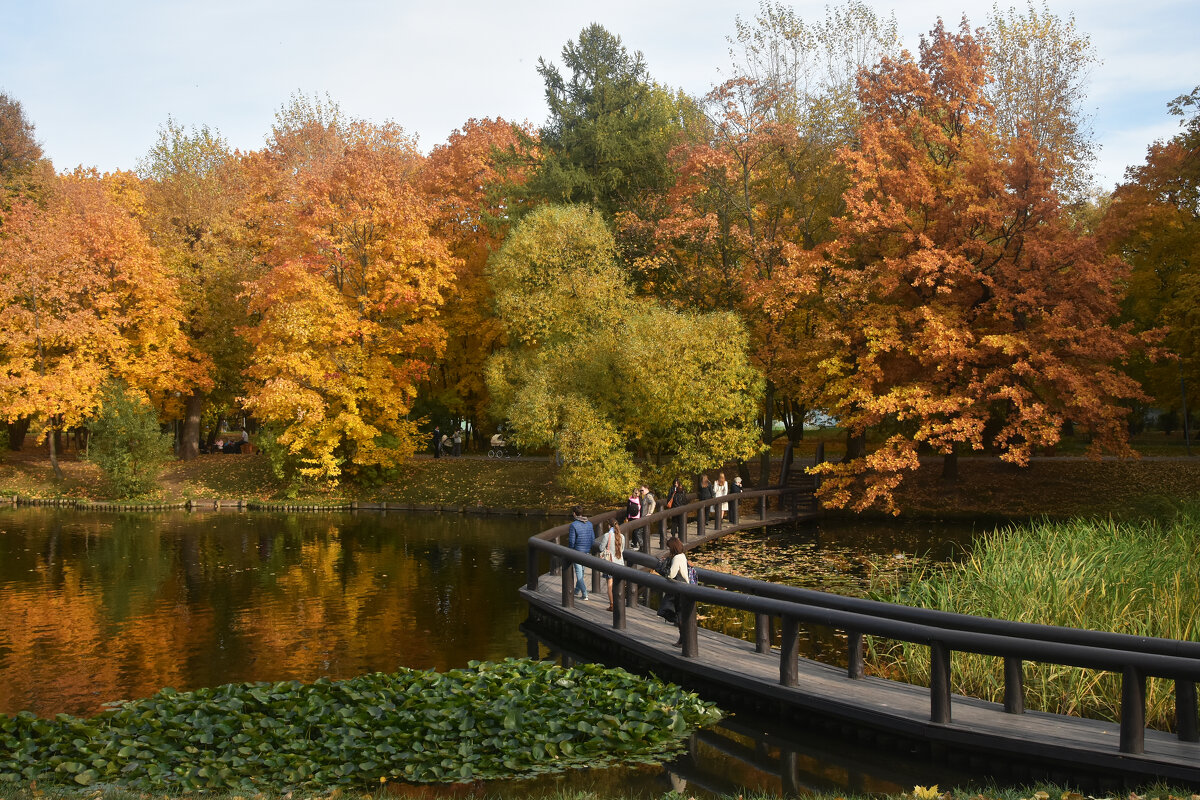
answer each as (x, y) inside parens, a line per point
(98, 79)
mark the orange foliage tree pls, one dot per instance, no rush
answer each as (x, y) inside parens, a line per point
(473, 205)
(84, 298)
(966, 311)
(1153, 223)
(347, 309)
(754, 194)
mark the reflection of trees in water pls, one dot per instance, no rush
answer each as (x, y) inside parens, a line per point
(94, 608)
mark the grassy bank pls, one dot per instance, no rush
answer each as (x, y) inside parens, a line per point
(1055, 487)
(1132, 577)
(481, 792)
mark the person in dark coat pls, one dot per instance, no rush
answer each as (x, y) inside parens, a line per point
(675, 498)
(436, 443)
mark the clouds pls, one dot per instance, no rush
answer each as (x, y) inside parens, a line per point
(97, 79)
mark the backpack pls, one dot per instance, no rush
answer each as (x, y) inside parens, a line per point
(691, 574)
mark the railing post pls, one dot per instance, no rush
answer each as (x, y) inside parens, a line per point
(618, 612)
(762, 507)
(762, 633)
(1133, 711)
(531, 573)
(939, 682)
(701, 521)
(687, 627)
(734, 511)
(568, 584)
(854, 656)
(1185, 710)
(789, 652)
(662, 533)
(1014, 686)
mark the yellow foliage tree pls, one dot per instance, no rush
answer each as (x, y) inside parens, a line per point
(347, 310)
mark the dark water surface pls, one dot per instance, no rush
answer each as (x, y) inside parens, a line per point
(96, 607)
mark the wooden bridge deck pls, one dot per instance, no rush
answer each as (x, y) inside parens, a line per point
(897, 708)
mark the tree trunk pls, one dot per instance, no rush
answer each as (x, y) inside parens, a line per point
(950, 467)
(16, 433)
(189, 445)
(768, 435)
(51, 438)
(856, 446)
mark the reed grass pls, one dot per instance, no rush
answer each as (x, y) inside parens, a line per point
(1137, 578)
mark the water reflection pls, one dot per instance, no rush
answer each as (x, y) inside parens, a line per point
(97, 607)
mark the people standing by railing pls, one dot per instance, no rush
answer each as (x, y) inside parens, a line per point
(677, 570)
(675, 498)
(611, 546)
(720, 489)
(580, 537)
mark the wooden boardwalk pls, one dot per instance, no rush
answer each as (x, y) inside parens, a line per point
(1055, 745)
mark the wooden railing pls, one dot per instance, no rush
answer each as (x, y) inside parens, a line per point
(1135, 658)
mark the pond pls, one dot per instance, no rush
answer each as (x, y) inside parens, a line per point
(96, 607)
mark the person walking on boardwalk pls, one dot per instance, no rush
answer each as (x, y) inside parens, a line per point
(720, 489)
(580, 536)
(612, 547)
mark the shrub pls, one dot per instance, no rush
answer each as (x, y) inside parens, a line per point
(127, 443)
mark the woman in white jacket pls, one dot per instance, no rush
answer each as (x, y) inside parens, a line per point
(611, 546)
(720, 489)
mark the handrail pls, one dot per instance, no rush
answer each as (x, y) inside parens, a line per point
(944, 619)
(1135, 657)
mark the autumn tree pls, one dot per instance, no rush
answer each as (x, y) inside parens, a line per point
(610, 127)
(19, 149)
(759, 187)
(22, 173)
(84, 299)
(1153, 224)
(194, 187)
(574, 377)
(472, 202)
(1039, 66)
(346, 313)
(968, 313)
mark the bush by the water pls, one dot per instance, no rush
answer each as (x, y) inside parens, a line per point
(126, 442)
(1130, 577)
(510, 719)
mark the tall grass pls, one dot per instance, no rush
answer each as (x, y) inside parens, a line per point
(1138, 578)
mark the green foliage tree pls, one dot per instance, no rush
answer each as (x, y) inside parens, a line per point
(126, 441)
(602, 376)
(193, 186)
(610, 128)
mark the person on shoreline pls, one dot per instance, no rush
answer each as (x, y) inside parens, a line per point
(720, 489)
(612, 547)
(457, 440)
(436, 442)
(581, 537)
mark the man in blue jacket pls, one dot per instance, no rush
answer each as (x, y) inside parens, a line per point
(580, 537)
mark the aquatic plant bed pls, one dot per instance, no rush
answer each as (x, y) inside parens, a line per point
(511, 719)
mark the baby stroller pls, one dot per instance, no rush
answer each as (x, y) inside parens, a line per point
(498, 447)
